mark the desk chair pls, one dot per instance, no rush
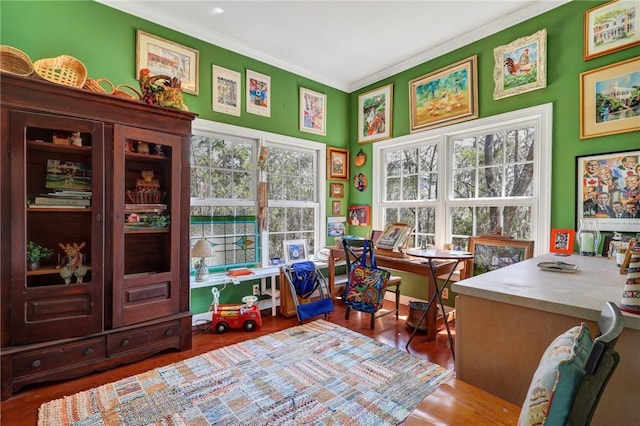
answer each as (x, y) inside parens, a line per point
(578, 379)
(352, 254)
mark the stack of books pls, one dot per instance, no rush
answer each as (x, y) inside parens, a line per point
(68, 199)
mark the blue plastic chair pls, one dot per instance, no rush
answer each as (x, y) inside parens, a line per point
(309, 289)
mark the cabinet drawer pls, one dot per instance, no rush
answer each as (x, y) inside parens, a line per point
(38, 361)
(148, 336)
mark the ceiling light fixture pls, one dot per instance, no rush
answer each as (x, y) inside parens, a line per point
(216, 11)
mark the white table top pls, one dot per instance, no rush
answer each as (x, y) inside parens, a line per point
(579, 294)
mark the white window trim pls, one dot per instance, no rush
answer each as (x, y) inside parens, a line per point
(265, 139)
(541, 116)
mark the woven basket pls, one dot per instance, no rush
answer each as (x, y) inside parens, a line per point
(15, 61)
(126, 95)
(97, 85)
(64, 69)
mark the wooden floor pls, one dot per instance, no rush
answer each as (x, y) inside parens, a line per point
(22, 408)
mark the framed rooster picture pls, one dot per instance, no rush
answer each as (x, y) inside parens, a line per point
(521, 66)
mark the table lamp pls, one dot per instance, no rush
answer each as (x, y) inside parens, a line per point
(201, 249)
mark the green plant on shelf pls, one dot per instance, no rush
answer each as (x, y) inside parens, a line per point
(36, 253)
(159, 221)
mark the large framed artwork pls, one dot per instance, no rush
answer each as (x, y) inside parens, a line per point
(611, 27)
(446, 96)
(520, 66)
(313, 112)
(609, 99)
(375, 112)
(609, 190)
(337, 164)
(226, 90)
(490, 253)
(258, 94)
(164, 57)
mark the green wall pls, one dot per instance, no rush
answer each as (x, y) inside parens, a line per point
(104, 40)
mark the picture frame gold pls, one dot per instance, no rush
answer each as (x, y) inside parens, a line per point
(337, 164)
(436, 101)
(375, 114)
(604, 96)
(165, 57)
(520, 66)
(611, 27)
(491, 252)
(336, 190)
(313, 112)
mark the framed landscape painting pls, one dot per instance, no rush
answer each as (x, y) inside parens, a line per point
(611, 27)
(375, 114)
(490, 253)
(609, 99)
(446, 96)
(520, 66)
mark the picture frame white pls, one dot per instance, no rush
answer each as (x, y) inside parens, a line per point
(313, 112)
(295, 250)
(375, 113)
(227, 90)
(165, 57)
(520, 66)
(258, 92)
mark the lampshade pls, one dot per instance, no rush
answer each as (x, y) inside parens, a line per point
(201, 249)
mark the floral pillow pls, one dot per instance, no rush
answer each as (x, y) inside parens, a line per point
(556, 381)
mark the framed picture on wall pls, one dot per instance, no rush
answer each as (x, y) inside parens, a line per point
(313, 112)
(336, 190)
(336, 206)
(611, 27)
(608, 188)
(258, 94)
(446, 96)
(490, 253)
(562, 241)
(337, 164)
(164, 57)
(336, 226)
(606, 96)
(227, 88)
(520, 66)
(359, 216)
(375, 114)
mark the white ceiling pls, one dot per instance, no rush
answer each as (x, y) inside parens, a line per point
(343, 44)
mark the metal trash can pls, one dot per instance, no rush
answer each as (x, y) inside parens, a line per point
(416, 310)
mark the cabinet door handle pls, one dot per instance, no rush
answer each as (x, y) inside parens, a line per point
(125, 342)
(36, 363)
(168, 332)
(88, 352)
(98, 217)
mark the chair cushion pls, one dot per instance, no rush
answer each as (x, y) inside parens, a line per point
(557, 378)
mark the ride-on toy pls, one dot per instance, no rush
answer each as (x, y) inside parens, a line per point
(245, 316)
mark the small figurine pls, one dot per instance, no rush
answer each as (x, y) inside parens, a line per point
(142, 148)
(159, 150)
(76, 140)
(73, 266)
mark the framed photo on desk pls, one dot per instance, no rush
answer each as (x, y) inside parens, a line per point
(490, 253)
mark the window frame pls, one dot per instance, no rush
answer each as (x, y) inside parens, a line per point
(540, 117)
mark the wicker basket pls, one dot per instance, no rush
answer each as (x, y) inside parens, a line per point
(97, 85)
(146, 196)
(15, 61)
(64, 69)
(126, 95)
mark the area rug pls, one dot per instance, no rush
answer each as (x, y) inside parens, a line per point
(318, 373)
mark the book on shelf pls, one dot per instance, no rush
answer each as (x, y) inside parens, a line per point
(55, 206)
(68, 194)
(60, 201)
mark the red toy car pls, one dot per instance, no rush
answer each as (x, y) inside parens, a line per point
(244, 316)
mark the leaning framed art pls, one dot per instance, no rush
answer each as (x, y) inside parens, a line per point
(611, 27)
(226, 90)
(608, 189)
(562, 241)
(258, 94)
(607, 99)
(490, 253)
(313, 112)
(520, 66)
(295, 250)
(375, 112)
(446, 96)
(164, 57)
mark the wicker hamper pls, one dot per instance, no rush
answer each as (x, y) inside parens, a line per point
(15, 61)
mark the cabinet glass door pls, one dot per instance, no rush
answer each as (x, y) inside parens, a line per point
(146, 240)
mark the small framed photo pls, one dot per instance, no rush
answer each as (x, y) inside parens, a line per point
(446, 96)
(375, 112)
(227, 90)
(562, 241)
(336, 190)
(258, 94)
(520, 66)
(336, 206)
(608, 190)
(611, 27)
(359, 216)
(606, 94)
(295, 250)
(165, 57)
(313, 112)
(337, 164)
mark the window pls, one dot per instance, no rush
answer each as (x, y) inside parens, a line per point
(226, 187)
(469, 179)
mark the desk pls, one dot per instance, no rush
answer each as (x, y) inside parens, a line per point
(506, 318)
(413, 265)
